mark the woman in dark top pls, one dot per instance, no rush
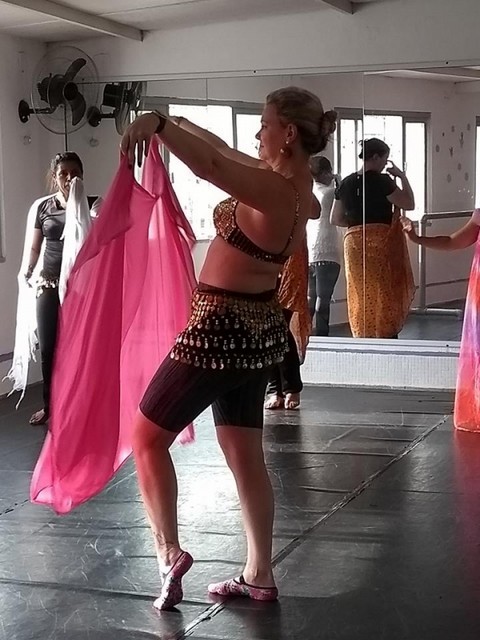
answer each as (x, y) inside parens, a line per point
(49, 227)
(380, 285)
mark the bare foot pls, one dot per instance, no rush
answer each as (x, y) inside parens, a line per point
(39, 417)
(292, 400)
(274, 402)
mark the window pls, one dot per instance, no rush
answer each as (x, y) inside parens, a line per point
(406, 135)
(348, 136)
(248, 125)
(390, 129)
(198, 197)
(237, 126)
(416, 164)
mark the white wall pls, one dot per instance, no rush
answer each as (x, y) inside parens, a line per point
(25, 153)
(399, 32)
(23, 173)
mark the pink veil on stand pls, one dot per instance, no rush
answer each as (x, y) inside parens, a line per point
(128, 296)
(467, 396)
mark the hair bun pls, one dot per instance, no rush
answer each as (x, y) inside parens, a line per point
(328, 122)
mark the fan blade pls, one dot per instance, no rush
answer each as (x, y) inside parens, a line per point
(113, 94)
(43, 88)
(136, 94)
(78, 107)
(121, 118)
(55, 91)
(74, 68)
(94, 116)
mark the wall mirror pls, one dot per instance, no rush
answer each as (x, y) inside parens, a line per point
(430, 119)
(231, 107)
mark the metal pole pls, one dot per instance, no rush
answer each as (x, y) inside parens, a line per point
(422, 308)
(422, 267)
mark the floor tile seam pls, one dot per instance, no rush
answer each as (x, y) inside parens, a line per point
(433, 492)
(357, 425)
(354, 493)
(14, 507)
(296, 542)
(213, 610)
(54, 586)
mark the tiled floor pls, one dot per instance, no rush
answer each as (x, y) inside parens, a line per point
(377, 532)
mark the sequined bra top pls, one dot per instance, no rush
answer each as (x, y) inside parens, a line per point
(225, 221)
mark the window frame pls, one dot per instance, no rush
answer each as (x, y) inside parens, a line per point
(162, 103)
(423, 117)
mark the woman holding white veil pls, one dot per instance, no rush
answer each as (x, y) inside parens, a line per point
(57, 226)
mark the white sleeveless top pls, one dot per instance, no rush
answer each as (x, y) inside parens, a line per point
(323, 238)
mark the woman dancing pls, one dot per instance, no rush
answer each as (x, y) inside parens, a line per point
(237, 330)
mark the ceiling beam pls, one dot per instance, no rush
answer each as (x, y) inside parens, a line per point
(345, 6)
(79, 18)
(460, 72)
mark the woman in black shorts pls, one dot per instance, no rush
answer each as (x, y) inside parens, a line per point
(236, 330)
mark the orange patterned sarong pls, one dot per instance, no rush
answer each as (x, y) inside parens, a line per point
(380, 288)
(293, 295)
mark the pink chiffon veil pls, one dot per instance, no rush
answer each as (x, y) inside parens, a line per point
(128, 296)
(467, 396)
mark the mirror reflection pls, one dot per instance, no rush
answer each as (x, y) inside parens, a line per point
(231, 108)
(368, 202)
(429, 121)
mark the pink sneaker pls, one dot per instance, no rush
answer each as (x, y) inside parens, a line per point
(172, 592)
(238, 587)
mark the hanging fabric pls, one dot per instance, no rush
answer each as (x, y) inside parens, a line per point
(467, 396)
(77, 224)
(127, 297)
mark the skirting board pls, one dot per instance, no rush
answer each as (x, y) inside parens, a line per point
(345, 362)
(392, 364)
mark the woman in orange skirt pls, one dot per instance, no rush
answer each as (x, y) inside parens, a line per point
(285, 382)
(380, 286)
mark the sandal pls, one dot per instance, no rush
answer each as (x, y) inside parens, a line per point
(292, 400)
(172, 591)
(39, 417)
(274, 402)
(238, 587)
